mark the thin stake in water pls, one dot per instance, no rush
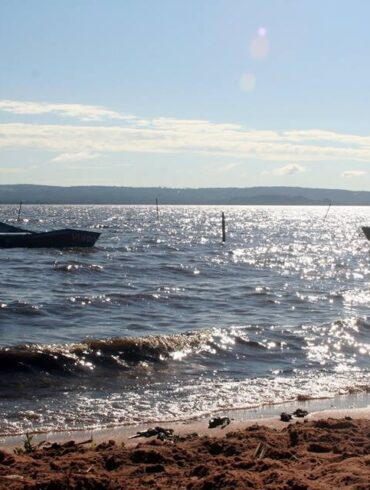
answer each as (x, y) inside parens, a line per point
(223, 227)
(327, 212)
(19, 212)
(156, 203)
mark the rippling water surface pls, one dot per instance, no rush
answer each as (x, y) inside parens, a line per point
(161, 321)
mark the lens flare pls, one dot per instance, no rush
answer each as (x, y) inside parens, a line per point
(259, 47)
(247, 82)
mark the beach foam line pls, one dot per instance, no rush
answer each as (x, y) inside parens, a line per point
(340, 407)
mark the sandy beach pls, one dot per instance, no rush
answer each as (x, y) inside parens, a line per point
(325, 450)
(184, 245)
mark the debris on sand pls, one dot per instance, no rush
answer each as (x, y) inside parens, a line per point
(285, 417)
(218, 421)
(300, 413)
(160, 432)
(321, 454)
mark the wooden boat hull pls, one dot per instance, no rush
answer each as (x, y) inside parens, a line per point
(366, 230)
(65, 238)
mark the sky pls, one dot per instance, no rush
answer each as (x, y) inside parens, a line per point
(185, 93)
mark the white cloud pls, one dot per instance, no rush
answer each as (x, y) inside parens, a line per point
(167, 135)
(16, 170)
(228, 167)
(290, 169)
(353, 173)
(170, 135)
(75, 157)
(79, 111)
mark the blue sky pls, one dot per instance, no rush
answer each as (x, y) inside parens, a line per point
(185, 93)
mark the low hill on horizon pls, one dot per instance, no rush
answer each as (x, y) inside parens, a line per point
(44, 194)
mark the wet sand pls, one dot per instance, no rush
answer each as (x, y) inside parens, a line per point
(324, 450)
(356, 405)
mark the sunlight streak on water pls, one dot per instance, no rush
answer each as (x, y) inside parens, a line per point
(279, 311)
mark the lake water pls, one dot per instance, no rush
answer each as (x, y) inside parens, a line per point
(161, 321)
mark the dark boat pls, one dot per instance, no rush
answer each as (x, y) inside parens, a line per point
(366, 230)
(13, 237)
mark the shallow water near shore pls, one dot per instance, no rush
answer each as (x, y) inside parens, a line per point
(161, 321)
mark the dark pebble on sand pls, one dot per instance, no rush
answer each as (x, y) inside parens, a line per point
(285, 417)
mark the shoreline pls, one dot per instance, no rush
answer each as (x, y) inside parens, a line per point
(314, 453)
(356, 406)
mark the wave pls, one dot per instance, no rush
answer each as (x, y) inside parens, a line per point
(20, 308)
(118, 352)
(77, 267)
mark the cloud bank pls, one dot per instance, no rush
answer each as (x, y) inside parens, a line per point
(290, 169)
(353, 173)
(83, 112)
(75, 157)
(127, 133)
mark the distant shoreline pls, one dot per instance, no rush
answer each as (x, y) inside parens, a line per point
(49, 203)
(227, 196)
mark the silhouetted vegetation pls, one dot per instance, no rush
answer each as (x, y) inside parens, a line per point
(40, 194)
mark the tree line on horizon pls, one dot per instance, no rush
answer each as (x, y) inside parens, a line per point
(41, 194)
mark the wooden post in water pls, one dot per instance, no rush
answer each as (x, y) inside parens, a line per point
(19, 212)
(156, 203)
(327, 212)
(223, 227)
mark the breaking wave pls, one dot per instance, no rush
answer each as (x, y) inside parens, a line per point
(120, 352)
